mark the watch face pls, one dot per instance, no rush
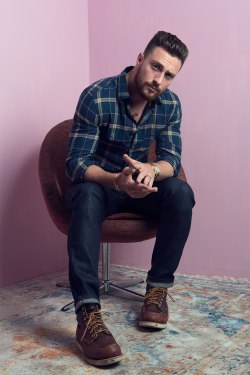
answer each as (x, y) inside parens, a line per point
(157, 171)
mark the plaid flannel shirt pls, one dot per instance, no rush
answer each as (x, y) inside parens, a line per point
(103, 129)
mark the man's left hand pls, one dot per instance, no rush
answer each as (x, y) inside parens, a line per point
(145, 172)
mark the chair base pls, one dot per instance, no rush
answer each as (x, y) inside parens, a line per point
(118, 289)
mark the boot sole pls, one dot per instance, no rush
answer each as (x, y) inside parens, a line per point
(152, 325)
(100, 362)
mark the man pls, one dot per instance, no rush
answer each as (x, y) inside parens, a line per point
(115, 122)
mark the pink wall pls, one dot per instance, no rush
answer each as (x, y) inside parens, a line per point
(44, 64)
(214, 87)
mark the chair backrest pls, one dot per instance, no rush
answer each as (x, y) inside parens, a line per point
(54, 183)
(51, 167)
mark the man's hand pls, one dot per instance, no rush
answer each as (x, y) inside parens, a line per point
(145, 171)
(144, 181)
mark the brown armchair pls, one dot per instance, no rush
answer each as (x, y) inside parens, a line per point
(118, 228)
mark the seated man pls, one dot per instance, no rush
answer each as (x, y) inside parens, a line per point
(115, 122)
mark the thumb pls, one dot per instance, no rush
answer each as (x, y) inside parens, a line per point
(127, 171)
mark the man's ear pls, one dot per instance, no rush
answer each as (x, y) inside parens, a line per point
(140, 58)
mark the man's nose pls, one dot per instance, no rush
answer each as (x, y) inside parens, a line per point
(159, 78)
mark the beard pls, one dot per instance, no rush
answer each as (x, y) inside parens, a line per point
(148, 91)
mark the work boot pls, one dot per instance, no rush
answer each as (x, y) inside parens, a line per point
(154, 312)
(94, 339)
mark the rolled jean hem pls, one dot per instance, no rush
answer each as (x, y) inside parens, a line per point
(82, 302)
(160, 285)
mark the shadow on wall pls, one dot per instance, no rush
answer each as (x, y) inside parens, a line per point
(30, 245)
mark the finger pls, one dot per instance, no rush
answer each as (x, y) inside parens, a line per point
(127, 158)
(144, 179)
(132, 162)
(127, 171)
(141, 194)
(150, 184)
(144, 188)
(153, 189)
(148, 180)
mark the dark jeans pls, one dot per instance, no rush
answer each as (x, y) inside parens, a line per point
(90, 204)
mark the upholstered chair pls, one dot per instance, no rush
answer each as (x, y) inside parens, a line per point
(118, 228)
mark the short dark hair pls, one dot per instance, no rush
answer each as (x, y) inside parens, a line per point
(170, 43)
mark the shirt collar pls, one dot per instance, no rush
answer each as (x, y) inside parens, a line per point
(122, 87)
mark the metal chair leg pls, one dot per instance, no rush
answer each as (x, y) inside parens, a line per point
(116, 287)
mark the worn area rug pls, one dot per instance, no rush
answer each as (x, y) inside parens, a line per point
(208, 330)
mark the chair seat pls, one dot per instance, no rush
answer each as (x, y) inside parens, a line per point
(128, 227)
(127, 216)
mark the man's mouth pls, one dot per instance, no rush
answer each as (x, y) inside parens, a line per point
(153, 88)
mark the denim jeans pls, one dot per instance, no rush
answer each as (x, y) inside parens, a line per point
(90, 203)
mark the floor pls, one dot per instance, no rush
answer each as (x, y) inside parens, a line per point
(208, 330)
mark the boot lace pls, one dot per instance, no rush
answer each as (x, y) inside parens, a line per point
(95, 324)
(156, 295)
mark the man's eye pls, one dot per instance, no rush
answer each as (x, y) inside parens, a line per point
(155, 67)
(168, 76)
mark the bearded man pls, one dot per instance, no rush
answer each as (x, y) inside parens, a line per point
(116, 121)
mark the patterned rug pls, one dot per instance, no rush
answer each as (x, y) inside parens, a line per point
(208, 330)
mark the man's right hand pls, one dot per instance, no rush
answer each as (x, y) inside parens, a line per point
(132, 188)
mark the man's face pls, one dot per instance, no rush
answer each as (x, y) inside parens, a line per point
(155, 73)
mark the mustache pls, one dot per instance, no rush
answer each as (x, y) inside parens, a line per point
(154, 85)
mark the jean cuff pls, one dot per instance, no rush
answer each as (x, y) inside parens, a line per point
(82, 302)
(160, 285)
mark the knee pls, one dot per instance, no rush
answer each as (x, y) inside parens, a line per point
(186, 195)
(178, 193)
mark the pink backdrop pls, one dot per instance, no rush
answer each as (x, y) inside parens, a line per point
(214, 88)
(50, 50)
(44, 64)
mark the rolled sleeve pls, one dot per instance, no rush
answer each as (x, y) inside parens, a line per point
(83, 139)
(168, 143)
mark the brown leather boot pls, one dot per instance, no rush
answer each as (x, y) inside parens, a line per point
(94, 339)
(154, 312)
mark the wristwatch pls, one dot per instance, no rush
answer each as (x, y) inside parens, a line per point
(156, 169)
